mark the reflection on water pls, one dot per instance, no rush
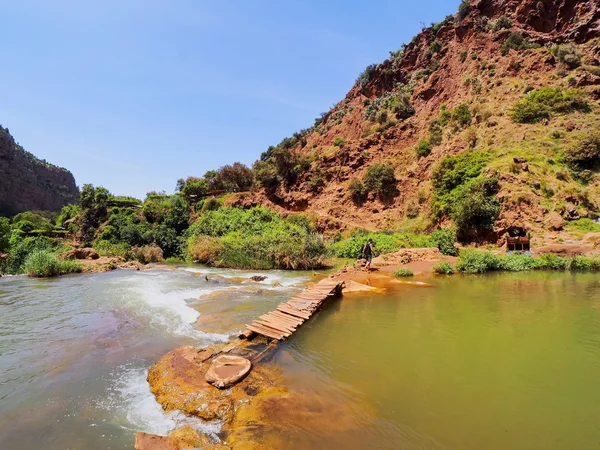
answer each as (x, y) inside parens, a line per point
(74, 351)
(494, 362)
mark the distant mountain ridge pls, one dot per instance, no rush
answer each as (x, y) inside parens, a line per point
(28, 183)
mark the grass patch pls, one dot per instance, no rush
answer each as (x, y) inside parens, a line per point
(44, 263)
(584, 225)
(403, 273)
(540, 104)
(443, 268)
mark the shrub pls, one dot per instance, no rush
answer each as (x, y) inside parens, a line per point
(585, 153)
(423, 148)
(403, 273)
(473, 261)
(515, 41)
(357, 189)
(412, 209)
(443, 268)
(5, 232)
(435, 132)
(339, 142)
(463, 10)
(454, 171)
(382, 117)
(20, 248)
(476, 207)
(255, 238)
(380, 179)
(500, 24)
(148, 254)
(463, 56)
(568, 55)
(435, 47)
(462, 115)
(445, 116)
(107, 248)
(538, 105)
(44, 263)
(365, 76)
(445, 240)
(585, 225)
(34, 220)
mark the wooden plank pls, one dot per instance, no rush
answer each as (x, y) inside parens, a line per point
(294, 312)
(277, 321)
(264, 332)
(293, 321)
(278, 328)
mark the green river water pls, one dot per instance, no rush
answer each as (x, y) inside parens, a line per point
(480, 362)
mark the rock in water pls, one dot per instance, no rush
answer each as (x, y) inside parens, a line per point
(226, 370)
(258, 278)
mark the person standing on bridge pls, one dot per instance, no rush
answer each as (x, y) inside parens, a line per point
(368, 254)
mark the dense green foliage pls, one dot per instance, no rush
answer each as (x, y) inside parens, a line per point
(475, 261)
(384, 242)
(5, 232)
(44, 263)
(475, 206)
(517, 42)
(21, 247)
(357, 190)
(540, 104)
(462, 115)
(380, 180)
(451, 174)
(254, 238)
(403, 273)
(423, 148)
(462, 194)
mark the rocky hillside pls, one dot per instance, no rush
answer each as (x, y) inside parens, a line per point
(27, 183)
(498, 104)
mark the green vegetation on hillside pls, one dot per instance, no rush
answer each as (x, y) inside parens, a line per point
(542, 103)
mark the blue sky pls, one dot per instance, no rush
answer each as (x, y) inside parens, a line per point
(134, 94)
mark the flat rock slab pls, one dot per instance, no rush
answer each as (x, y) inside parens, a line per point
(226, 370)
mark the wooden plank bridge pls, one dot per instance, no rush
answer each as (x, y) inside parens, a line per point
(287, 318)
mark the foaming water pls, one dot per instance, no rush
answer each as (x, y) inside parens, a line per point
(129, 395)
(75, 350)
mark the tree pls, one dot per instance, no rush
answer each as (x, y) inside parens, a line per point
(235, 178)
(380, 180)
(193, 189)
(94, 205)
(5, 231)
(213, 180)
